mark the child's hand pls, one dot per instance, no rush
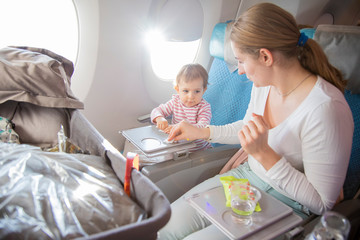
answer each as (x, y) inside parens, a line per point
(161, 123)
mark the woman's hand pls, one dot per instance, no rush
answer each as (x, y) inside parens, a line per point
(254, 140)
(186, 131)
(168, 129)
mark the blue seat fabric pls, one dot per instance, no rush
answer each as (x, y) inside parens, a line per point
(228, 93)
(352, 181)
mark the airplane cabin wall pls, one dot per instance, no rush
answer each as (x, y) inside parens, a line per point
(112, 74)
(108, 75)
(214, 11)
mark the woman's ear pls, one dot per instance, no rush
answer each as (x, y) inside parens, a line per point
(266, 57)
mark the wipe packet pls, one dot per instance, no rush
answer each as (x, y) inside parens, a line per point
(227, 181)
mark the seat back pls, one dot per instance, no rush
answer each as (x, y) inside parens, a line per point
(352, 181)
(342, 46)
(228, 92)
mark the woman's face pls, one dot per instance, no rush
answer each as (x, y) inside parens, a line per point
(251, 66)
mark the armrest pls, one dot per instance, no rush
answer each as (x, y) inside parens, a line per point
(147, 195)
(348, 208)
(158, 171)
(147, 119)
(351, 210)
(144, 118)
(176, 177)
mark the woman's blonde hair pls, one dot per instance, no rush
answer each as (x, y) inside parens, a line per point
(266, 25)
(192, 71)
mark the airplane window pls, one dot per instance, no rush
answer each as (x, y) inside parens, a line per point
(181, 22)
(167, 57)
(52, 25)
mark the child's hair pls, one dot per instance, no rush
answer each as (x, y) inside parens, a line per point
(192, 71)
(268, 26)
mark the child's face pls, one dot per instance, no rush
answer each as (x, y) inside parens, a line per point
(190, 92)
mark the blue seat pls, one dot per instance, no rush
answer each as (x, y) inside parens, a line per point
(352, 181)
(227, 92)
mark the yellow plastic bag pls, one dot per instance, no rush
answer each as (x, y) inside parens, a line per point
(227, 181)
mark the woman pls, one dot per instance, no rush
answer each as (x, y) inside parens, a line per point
(298, 128)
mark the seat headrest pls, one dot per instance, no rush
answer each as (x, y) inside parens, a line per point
(220, 46)
(341, 45)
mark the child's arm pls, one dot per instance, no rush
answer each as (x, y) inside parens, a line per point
(204, 116)
(158, 115)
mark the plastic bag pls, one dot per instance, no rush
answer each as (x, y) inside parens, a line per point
(46, 195)
(227, 181)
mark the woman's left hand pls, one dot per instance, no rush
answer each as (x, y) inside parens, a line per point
(254, 140)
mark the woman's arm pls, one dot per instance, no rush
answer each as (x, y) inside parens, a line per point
(226, 134)
(187, 131)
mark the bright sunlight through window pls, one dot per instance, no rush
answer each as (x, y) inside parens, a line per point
(168, 57)
(49, 24)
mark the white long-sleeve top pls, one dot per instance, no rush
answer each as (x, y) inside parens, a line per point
(199, 116)
(314, 142)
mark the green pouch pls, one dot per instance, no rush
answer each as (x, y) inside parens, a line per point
(227, 181)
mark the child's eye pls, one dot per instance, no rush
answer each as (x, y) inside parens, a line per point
(185, 91)
(197, 91)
